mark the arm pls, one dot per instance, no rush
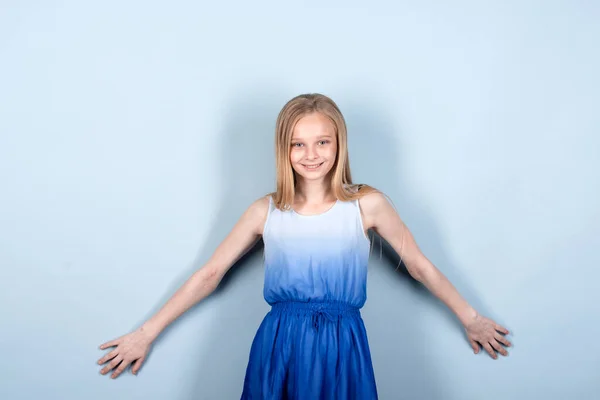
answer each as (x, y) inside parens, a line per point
(380, 216)
(205, 280)
(133, 347)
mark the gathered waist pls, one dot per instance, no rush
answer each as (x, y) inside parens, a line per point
(330, 307)
(331, 311)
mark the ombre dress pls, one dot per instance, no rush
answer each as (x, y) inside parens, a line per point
(313, 344)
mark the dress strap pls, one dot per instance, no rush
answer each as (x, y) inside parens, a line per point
(269, 212)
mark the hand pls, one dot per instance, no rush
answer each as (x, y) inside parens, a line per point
(131, 348)
(489, 334)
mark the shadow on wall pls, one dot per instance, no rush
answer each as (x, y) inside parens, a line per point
(401, 360)
(246, 172)
(397, 346)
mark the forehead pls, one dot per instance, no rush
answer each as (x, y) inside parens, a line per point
(313, 125)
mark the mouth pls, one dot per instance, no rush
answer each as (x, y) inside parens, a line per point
(312, 167)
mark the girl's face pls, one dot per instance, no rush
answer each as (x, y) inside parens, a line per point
(314, 147)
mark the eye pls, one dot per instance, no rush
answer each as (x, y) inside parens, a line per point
(324, 141)
(296, 144)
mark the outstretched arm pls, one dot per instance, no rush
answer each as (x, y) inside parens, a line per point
(381, 216)
(133, 347)
(205, 280)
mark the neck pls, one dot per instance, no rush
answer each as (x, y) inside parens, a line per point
(313, 192)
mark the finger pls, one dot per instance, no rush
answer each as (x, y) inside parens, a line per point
(112, 365)
(502, 329)
(475, 346)
(120, 369)
(489, 349)
(499, 347)
(111, 343)
(108, 356)
(502, 340)
(137, 364)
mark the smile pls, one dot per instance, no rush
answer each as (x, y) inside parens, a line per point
(313, 167)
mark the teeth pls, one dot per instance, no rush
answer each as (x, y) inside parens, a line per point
(313, 166)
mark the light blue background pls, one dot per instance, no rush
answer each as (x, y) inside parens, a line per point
(134, 134)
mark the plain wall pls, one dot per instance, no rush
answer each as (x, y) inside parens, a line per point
(134, 134)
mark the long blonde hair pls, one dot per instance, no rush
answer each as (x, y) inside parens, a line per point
(341, 179)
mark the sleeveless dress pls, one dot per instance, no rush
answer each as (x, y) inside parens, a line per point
(313, 344)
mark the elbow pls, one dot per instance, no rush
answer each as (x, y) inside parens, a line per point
(428, 275)
(420, 269)
(208, 278)
(416, 273)
(412, 267)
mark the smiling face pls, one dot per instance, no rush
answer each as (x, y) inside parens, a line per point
(313, 147)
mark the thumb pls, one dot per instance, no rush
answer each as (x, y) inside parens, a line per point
(475, 346)
(137, 364)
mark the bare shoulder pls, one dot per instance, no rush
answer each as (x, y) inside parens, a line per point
(371, 201)
(373, 205)
(257, 213)
(260, 205)
(242, 236)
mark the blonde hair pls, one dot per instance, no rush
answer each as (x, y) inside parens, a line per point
(341, 179)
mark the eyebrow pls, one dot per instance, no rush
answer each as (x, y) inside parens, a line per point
(318, 137)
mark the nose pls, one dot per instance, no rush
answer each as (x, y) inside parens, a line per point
(312, 153)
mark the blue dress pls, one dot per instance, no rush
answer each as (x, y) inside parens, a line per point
(313, 344)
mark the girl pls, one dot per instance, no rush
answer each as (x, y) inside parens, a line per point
(313, 343)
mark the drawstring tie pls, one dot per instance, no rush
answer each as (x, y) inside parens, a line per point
(320, 314)
(317, 311)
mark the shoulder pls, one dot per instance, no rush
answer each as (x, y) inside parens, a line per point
(372, 201)
(261, 204)
(257, 212)
(374, 205)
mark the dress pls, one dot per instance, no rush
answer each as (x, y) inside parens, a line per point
(312, 344)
